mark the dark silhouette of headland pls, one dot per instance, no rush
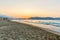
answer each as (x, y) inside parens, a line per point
(44, 18)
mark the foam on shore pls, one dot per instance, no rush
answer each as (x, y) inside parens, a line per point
(48, 28)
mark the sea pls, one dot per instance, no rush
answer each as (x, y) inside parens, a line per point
(45, 22)
(53, 25)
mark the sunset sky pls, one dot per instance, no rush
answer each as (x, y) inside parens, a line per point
(28, 8)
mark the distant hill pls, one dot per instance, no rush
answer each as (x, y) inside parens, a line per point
(44, 18)
(10, 18)
(4, 16)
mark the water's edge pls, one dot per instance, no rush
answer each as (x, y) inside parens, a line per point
(47, 34)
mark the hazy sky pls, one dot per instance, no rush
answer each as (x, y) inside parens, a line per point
(27, 8)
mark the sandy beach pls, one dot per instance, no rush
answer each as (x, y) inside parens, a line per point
(19, 31)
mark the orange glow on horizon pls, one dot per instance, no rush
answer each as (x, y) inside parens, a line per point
(32, 14)
(30, 8)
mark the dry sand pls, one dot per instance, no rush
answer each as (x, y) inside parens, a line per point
(18, 31)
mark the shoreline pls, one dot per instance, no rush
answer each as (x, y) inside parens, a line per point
(19, 31)
(41, 26)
